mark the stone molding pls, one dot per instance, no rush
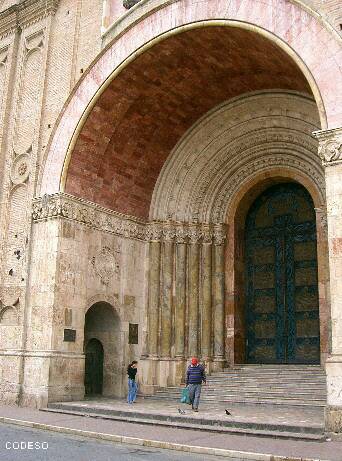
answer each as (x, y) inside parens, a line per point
(330, 146)
(25, 14)
(66, 206)
(148, 7)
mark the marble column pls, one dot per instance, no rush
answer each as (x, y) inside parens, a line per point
(193, 291)
(218, 293)
(154, 294)
(180, 298)
(330, 151)
(206, 295)
(166, 293)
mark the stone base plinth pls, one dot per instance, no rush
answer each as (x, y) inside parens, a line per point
(157, 372)
(217, 364)
(333, 419)
(333, 410)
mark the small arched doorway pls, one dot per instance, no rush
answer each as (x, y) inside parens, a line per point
(93, 379)
(103, 351)
(281, 288)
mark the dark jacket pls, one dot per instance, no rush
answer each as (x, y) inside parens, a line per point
(195, 374)
(131, 372)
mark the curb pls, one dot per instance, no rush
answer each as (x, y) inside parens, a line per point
(155, 443)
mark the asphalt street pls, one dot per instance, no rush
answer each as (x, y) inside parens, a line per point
(49, 446)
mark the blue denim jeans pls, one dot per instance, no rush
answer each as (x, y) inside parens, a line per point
(132, 390)
(195, 393)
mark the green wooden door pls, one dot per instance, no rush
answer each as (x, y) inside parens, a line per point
(281, 296)
(93, 381)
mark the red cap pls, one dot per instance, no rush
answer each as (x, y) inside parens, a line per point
(194, 361)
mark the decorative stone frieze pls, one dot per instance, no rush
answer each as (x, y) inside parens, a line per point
(87, 213)
(26, 13)
(66, 206)
(330, 146)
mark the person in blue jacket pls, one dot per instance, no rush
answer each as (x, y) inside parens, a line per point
(195, 376)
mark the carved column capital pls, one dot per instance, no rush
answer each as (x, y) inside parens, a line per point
(194, 233)
(330, 146)
(219, 234)
(168, 232)
(181, 235)
(154, 232)
(207, 234)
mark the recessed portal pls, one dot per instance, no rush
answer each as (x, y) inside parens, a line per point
(281, 289)
(103, 351)
(93, 380)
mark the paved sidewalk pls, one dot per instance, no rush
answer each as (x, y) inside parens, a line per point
(164, 436)
(271, 414)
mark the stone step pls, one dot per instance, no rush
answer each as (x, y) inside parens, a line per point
(288, 431)
(253, 401)
(248, 395)
(262, 384)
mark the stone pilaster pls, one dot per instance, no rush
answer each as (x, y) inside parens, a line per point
(166, 292)
(180, 298)
(154, 292)
(218, 296)
(206, 294)
(330, 151)
(193, 276)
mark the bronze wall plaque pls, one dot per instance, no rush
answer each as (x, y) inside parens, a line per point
(69, 335)
(133, 333)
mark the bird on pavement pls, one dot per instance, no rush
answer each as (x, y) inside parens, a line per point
(227, 412)
(181, 412)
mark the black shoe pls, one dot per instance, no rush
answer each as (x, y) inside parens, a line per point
(195, 409)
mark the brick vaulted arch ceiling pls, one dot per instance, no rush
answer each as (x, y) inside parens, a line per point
(153, 101)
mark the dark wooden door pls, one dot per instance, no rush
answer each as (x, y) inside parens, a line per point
(93, 367)
(281, 298)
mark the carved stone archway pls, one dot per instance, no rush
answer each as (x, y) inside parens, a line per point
(208, 181)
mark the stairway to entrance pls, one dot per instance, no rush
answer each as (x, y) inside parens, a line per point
(264, 400)
(291, 385)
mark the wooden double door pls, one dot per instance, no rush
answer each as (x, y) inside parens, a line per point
(281, 289)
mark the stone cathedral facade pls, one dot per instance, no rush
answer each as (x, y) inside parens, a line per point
(171, 185)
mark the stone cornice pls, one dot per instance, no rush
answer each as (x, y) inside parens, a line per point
(25, 13)
(66, 206)
(330, 146)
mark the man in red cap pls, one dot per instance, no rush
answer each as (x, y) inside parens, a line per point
(195, 375)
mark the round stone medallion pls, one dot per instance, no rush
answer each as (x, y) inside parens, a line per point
(20, 169)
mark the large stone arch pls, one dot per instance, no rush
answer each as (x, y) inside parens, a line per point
(290, 27)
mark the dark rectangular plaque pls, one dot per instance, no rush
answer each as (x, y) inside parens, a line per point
(133, 333)
(69, 335)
